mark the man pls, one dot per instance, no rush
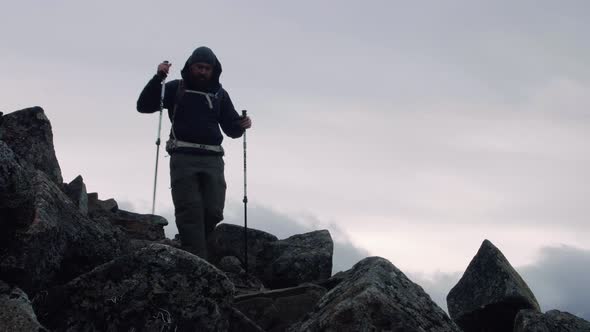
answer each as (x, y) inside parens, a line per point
(197, 107)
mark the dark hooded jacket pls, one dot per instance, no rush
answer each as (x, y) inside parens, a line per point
(195, 117)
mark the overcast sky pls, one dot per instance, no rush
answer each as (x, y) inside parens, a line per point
(412, 131)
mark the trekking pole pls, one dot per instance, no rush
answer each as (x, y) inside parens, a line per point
(245, 203)
(158, 143)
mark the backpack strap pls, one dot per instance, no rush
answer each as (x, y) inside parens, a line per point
(179, 93)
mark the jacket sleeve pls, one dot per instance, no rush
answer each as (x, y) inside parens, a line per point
(149, 99)
(229, 118)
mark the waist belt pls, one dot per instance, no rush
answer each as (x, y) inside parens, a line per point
(173, 144)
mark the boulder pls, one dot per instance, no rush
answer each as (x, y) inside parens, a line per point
(228, 240)
(376, 296)
(45, 238)
(334, 280)
(276, 310)
(490, 293)
(135, 244)
(139, 226)
(15, 189)
(551, 321)
(296, 260)
(28, 133)
(158, 288)
(16, 311)
(76, 191)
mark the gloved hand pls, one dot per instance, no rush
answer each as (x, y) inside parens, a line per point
(245, 122)
(163, 69)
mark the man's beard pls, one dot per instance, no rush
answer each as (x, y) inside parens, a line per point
(200, 83)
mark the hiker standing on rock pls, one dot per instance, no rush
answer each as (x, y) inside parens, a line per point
(197, 106)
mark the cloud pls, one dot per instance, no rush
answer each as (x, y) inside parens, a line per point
(559, 279)
(436, 285)
(126, 205)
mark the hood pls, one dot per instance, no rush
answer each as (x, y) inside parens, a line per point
(203, 54)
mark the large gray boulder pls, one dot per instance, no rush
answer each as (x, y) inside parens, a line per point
(16, 311)
(44, 238)
(278, 263)
(28, 133)
(297, 259)
(490, 293)
(228, 240)
(276, 310)
(551, 321)
(158, 288)
(376, 296)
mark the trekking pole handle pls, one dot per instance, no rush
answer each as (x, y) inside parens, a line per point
(161, 109)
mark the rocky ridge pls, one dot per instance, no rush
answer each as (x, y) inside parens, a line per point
(70, 261)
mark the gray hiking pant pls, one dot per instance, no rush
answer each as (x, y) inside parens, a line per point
(198, 193)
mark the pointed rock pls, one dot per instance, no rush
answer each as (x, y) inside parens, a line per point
(16, 311)
(376, 296)
(490, 293)
(158, 288)
(76, 190)
(551, 321)
(28, 133)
